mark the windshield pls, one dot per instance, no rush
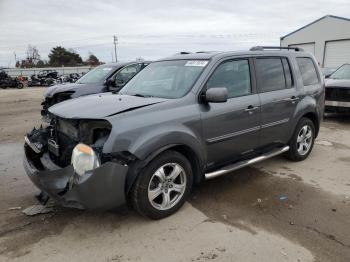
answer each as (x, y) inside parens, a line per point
(342, 72)
(166, 79)
(96, 75)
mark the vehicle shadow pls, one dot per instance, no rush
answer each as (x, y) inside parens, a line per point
(340, 118)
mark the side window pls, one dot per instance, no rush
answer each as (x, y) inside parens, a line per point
(287, 73)
(270, 74)
(307, 70)
(124, 75)
(234, 75)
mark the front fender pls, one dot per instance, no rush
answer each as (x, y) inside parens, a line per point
(152, 142)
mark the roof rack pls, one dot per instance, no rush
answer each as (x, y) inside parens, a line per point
(183, 53)
(262, 48)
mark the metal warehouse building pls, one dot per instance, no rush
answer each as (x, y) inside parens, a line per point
(328, 38)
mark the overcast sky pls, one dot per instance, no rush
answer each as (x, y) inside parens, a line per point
(152, 28)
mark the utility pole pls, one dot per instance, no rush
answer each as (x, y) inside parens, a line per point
(15, 58)
(115, 41)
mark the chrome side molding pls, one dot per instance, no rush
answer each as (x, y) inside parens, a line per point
(240, 164)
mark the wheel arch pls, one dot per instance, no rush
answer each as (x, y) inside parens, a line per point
(314, 118)
(195, 160)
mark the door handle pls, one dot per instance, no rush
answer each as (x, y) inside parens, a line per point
(292, 99)
(251, 108)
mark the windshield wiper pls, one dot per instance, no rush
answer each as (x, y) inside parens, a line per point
(140, 95)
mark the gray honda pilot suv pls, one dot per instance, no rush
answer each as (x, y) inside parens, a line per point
(180, 121)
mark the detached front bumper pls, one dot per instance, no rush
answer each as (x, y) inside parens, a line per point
(102, 188)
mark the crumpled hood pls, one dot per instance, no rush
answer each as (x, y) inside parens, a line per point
(101, 105)
(62, 88)
(337, 83)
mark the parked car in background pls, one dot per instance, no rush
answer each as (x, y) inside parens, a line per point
(338, 90)
(179, 121)
(104, 78)
(326, 71)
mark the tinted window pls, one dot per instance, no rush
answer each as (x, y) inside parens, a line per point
(234, 75)
(307, 70)
(270, 74)
(287, 73)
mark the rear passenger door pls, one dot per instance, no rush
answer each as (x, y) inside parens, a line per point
(279, 98)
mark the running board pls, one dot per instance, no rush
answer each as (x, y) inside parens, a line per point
(240, 164)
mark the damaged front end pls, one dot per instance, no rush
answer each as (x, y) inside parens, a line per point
(66, 161)
(50, 101)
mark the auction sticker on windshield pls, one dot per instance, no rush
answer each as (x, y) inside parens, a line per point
(200, 63)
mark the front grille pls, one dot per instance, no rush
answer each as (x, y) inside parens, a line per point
(338, 94)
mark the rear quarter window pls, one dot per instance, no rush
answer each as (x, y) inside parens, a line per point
(307, 70)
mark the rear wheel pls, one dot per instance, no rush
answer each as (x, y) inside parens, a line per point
(302, 141)
(163, 186)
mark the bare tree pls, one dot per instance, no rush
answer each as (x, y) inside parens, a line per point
(33, 56)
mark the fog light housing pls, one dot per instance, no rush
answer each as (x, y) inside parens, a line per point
(84, 159)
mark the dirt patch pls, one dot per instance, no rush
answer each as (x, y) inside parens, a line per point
(250, 199)
(344, 159)
(21, 231)
(19, 112)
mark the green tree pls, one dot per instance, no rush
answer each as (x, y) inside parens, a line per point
(60, 56)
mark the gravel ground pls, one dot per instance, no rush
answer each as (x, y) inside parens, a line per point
(274, 211)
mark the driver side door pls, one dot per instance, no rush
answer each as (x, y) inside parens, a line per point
(231, 129)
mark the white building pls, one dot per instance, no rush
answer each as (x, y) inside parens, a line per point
(328, 38)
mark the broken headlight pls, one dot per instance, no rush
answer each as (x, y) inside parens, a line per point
(84, 159)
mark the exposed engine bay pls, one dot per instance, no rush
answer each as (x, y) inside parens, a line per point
(61, 136)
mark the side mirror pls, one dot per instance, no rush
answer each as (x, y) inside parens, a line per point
(216, 95)
(327, 76)
(110, 83)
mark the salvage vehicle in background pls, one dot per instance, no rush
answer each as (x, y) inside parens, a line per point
(8, 81)
(179, 121)
(45, 77)
(338, 90)
(104, 78)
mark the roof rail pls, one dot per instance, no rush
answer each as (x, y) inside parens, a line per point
(262, 48)
(183, 53)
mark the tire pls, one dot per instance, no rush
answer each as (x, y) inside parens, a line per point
(301, 144)
(20, 85)
(149, 185)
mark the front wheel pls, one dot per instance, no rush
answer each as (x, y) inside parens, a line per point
(163, 186)
(20, 85)
(302, 141)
